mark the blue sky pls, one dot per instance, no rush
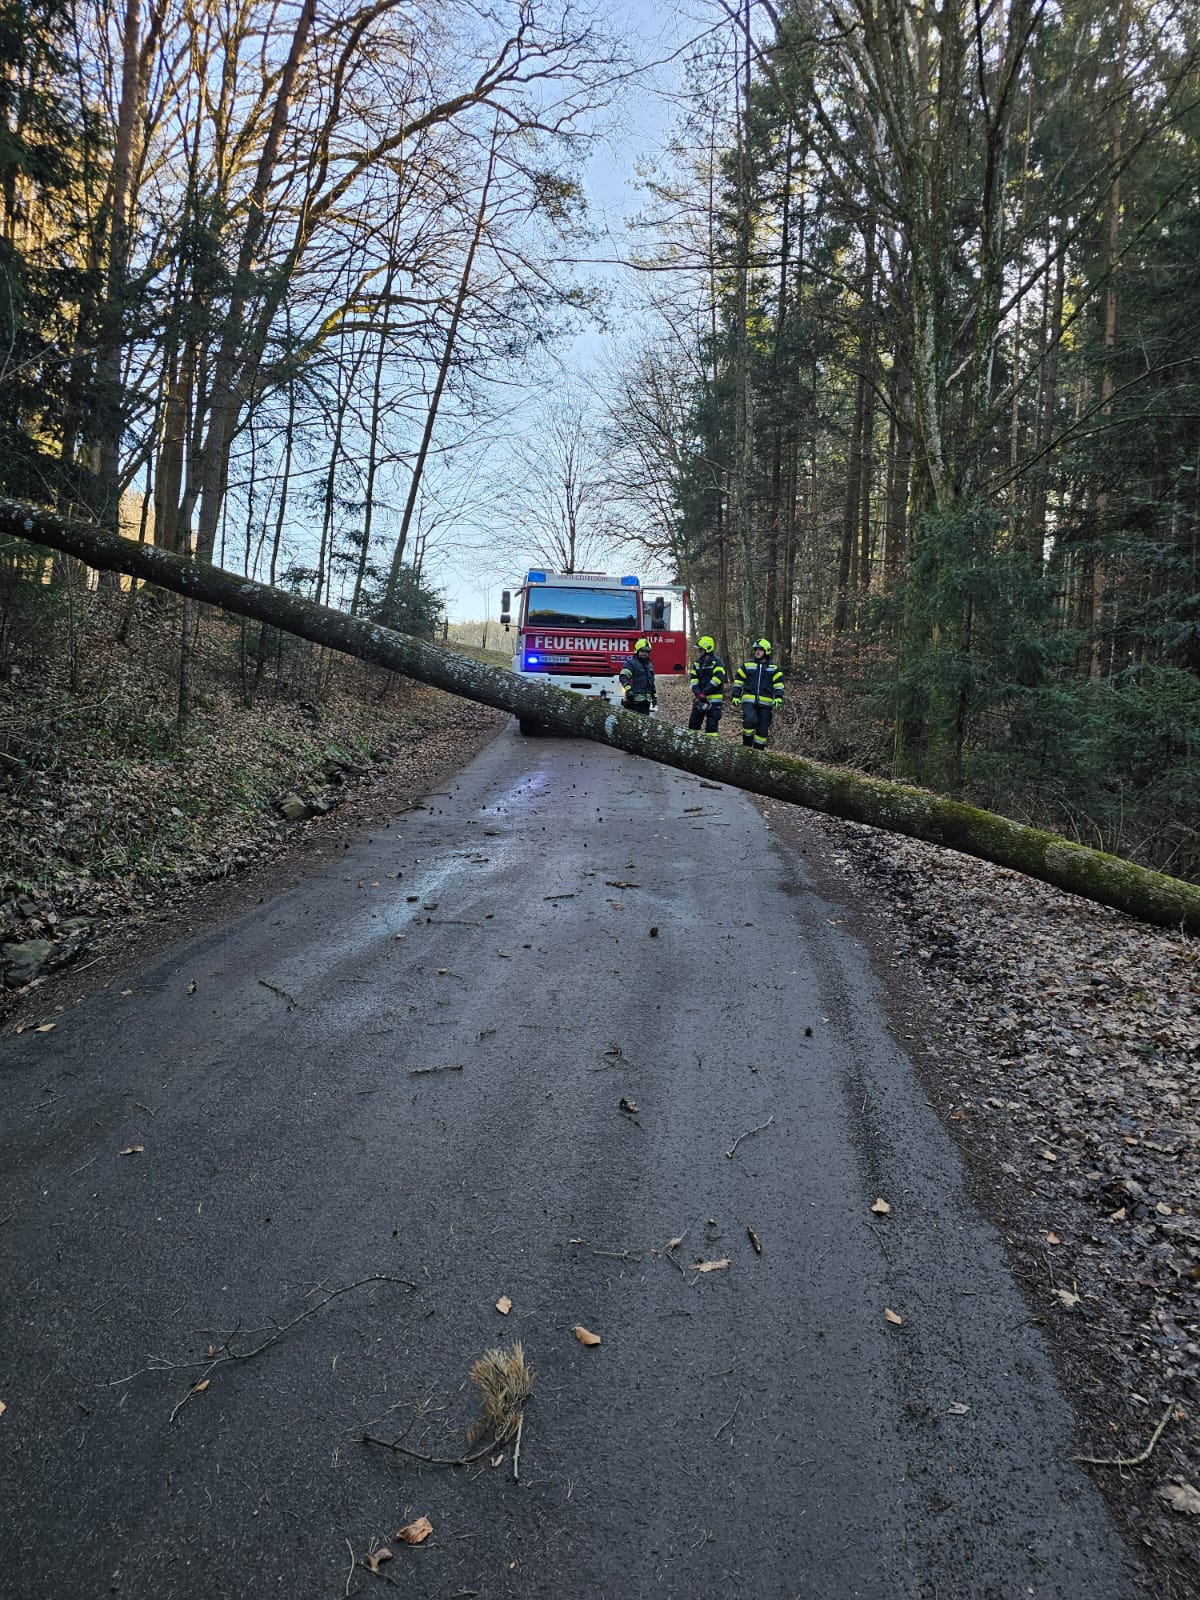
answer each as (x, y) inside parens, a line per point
(634, 132)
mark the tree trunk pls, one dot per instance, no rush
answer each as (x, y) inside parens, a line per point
(435, 399)
(847, 577)
(1052, 338)
(381, 355)
(1099, 576)
(743, 401)
(853, 567)
(1167, 902)
(772, 608)
(224, 401)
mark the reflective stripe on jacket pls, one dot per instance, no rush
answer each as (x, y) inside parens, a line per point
(638, 679)
(708, 678)
(760, 681)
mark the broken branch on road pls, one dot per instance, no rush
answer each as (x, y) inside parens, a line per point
(504, 1380)
(282, 993)
(226, 1354)
(730, 1417)
(746, 1135)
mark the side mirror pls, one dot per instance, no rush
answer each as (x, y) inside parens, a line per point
(506, 606)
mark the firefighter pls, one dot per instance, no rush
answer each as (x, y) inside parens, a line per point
(637, 679)
(758, 690)
(708, 688)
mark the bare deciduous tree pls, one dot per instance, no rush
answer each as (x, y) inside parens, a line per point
(557, 504)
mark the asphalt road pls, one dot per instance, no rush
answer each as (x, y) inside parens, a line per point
(568, 928)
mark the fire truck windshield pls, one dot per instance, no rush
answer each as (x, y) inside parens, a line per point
(551, 607)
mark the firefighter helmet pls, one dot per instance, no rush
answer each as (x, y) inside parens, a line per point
(642, 644)
(706, 644)
(763, 644)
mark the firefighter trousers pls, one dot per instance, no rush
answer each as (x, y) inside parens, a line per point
(756, 724)
(705, 716)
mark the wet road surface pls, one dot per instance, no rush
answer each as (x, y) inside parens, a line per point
(567, 929)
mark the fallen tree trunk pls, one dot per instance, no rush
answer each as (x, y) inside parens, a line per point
(1111, 881)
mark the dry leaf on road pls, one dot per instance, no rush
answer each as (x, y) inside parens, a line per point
(893, 1317)
(882, 1208)
(585, 1337)
(377, 1556)
(133, 1150)
(199, 1388)
(504, 1305)
(709, 1266)
(45, 1027)
(416, 1532)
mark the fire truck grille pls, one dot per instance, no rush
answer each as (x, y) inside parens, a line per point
(582, 661)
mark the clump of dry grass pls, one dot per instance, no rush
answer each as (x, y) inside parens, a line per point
(505, 1381)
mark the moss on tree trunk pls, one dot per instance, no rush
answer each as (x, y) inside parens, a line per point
(1111, 881)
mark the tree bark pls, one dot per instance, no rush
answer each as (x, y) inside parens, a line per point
(743, 395)
(894, 807)
(224, 403)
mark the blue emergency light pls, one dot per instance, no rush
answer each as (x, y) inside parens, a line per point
(629, 583)
(537, 577)
(531, 661)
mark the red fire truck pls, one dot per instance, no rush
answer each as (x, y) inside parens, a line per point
(576, 630)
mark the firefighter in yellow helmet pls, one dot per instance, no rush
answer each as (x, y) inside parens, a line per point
(758, 690)
(637, 680)
(708, 687)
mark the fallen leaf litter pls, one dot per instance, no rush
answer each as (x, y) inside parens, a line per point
(1064, 1046)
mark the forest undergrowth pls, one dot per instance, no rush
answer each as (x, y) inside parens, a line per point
(108, 808)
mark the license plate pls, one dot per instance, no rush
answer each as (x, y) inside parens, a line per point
(555, 661)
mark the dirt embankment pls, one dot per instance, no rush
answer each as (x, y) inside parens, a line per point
(113, 821)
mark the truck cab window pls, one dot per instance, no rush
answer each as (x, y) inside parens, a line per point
(581, 608)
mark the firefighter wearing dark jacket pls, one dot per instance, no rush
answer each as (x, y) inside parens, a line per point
(708, 688)
(758, 689)
(637, 680)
